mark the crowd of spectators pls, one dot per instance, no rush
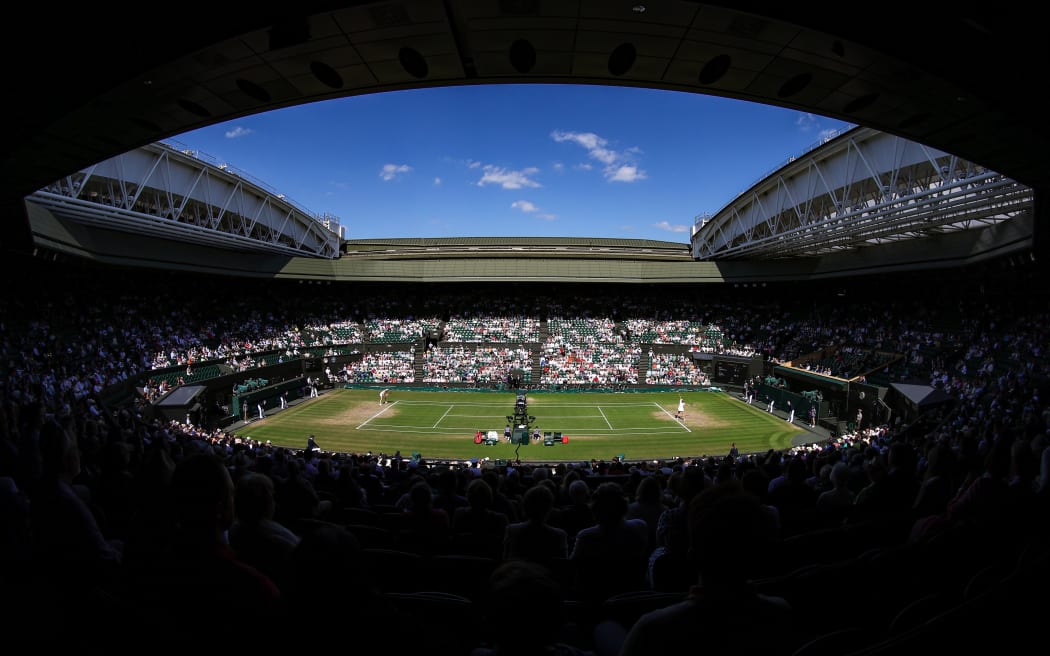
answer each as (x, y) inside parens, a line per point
(475, 366)
(675, 369)
(128, 552)
(487, 329)
(383, 367)
(112, 515)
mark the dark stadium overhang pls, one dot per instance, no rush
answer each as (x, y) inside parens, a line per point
(964, 80)
(525, 259)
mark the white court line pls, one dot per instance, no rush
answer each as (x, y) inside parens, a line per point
(585, 430)
(672, 416)
(466, 403)
(443, 416)
(388, 406)
(413, 429)
(468, 431)
(538, 404)
(550, 418)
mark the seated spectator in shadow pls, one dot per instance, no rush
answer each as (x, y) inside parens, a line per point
(985, 502)
(69, 547)
(835, 504)
(326, 480)
(754, 481)
(1041, 491)
(331, 588)
(794, 499)
(939, 482)
(881, 498)
(519, 586)
(535, 539)
(477, 524)
(16, 554)
(672, 534)
(153, 522)
(114, 490)
(254, 535)
(611, 556)
(300, 504)
(902, 476)
(577, 513)
(500, 501)
(730, 534)
(647, 506)
(199, 572)
(349, 490)
(423, 528)
(16, 532)
(563, 498)
(447, 492)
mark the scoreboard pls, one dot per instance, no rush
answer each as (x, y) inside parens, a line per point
(731, 372)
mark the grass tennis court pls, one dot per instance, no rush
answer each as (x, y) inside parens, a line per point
(442, 425)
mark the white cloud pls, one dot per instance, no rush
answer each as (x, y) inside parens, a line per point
(391, 171)
(498, 175)
(671, 227)
(626, 174)
(807, 122)
(558, 166)
(827, 134)
(237, 132)
(437, 181)
(471, 164)
(594, 144)
(619, 166)
(530, 208)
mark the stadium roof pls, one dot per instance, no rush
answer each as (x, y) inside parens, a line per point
(537, 243)
(964, 80)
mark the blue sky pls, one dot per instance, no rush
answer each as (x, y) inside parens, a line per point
(514, 160)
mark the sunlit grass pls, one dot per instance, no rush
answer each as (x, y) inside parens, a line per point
(442, 425)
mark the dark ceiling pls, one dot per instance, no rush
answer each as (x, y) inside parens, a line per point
(87, 82)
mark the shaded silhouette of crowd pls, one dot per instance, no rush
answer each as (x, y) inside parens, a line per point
(925, 535)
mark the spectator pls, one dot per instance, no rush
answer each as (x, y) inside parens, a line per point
(610, 556)
(672, 530)
(68, 541)
(534, 538)
(332, 586)
(424, 528)
(255, 536)
(834, 505)
(729, 534)
(795, 500)
(578, 513)
(199, 570)
(647, 506)
(516, 585)
(478, 518)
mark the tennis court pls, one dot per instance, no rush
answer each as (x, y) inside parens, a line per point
(596, 425)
